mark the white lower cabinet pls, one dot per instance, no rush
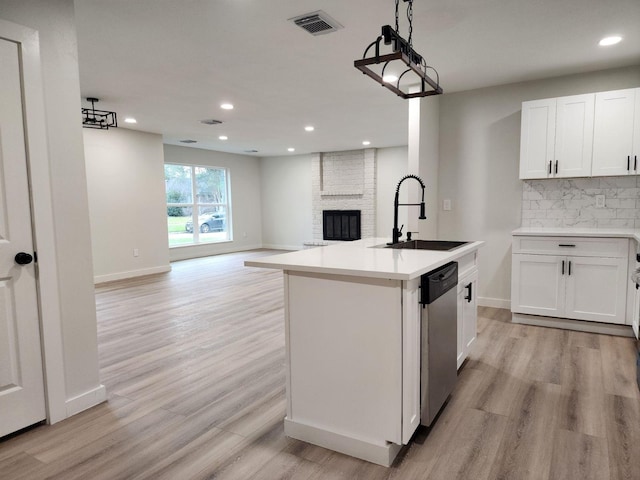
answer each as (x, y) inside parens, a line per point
(576, 287)
(467, 314)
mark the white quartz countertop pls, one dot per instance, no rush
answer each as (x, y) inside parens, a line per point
(361, 258)
(579, 232)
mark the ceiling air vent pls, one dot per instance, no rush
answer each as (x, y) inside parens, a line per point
(316, 23)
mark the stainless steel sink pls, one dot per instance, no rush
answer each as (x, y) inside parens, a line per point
(442, 245)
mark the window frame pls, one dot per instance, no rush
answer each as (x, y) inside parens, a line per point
(195, 205)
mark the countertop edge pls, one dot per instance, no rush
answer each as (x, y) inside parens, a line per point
(427, 267)
(578, 232)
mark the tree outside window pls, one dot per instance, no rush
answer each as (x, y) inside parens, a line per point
(197, 196)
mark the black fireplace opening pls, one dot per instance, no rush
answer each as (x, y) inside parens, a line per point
(341, 225)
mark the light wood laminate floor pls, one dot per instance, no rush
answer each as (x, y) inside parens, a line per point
(193, 361)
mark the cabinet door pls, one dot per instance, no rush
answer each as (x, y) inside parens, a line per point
(574, 135)
(537, 285)
(411, 357)
(613, 133)
(636, 133)
(537, 138)
(635, 319)
(596, 289)
(470, 317)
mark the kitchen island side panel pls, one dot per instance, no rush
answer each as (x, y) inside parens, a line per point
(344, 345)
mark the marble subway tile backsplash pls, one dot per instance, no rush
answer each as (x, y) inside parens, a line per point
(572, 202)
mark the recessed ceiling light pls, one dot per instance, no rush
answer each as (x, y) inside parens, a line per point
(309, 128)
(226, 106)
(366, 142)
(223, 137)
(130, 120)
(390, 78)
(612, 40)
(290, 149)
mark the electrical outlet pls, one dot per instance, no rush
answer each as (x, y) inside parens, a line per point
(599, 201)
(446, 204)
(136, 252)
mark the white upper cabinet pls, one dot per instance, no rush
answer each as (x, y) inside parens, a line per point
(537, 138)
(616, 141)
(557, 137)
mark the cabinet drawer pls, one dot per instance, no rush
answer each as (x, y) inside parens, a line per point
(467, 264)
(576, 246)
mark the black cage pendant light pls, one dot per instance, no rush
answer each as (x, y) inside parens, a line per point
(102, 119)
(402, 64)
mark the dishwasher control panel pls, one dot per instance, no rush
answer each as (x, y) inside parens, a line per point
(437, 282)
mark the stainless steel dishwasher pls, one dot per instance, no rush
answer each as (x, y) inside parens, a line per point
(439, 339)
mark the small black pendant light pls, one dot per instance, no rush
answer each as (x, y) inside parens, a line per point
(101, 119)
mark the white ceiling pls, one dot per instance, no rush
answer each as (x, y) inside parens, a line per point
(171, 63)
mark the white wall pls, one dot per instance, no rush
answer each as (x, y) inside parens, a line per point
(125, 179)
(246, 217)
(429, 154)
(54, 19)
(479, 162)
(285, 184)
(392, 166)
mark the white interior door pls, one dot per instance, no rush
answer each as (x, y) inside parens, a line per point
(22, 400)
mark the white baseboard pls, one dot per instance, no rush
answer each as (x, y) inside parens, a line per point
(371, 452)
(207, 250)
(273, 246)
(494, 302)
(86, 400)
(577, 325)
(98, 279)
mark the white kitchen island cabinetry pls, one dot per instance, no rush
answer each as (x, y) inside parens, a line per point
(353, 343)
(467, 311)
(570, 277)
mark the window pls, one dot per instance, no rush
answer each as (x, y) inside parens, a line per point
(197, 196)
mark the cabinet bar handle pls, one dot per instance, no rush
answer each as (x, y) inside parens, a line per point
(562, 267)
(556, 167)
(468, 297)
(569, 267)
(628, 162)
(635, 162)
(549, 167)
(566, 245)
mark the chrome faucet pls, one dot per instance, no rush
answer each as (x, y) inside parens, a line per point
(397, 233)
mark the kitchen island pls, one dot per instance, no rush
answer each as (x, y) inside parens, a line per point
(353, 342)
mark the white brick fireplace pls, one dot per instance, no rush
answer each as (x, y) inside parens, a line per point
(344, 181)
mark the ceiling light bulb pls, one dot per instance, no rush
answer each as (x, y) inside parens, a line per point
(226, 106)
(366, 142)
(390, 78)
(291, 149)
(223, 137)
(612, 40)
(309, 128)
(130, 120)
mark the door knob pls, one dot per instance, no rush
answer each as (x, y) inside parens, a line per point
(23, 258)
